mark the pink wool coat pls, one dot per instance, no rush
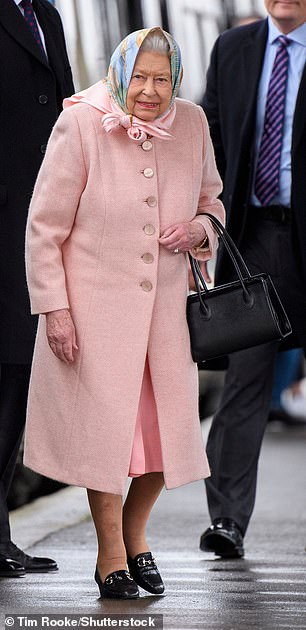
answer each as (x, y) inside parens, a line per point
(100, 203)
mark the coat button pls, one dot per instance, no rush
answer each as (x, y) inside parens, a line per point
(147, 258)
(148, 172)
(147, 145)
(146, 285)
(149, 229)
(43, 148)
(43, 99)
(151, 201)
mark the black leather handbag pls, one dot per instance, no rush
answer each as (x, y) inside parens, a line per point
(233, 316)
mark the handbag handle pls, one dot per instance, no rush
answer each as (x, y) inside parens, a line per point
(220, 229)
(236, 258)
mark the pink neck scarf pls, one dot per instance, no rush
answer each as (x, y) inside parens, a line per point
(114, 118)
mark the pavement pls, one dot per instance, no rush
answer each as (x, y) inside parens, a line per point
(264, 591)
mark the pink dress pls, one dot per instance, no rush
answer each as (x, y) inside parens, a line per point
(146, 452)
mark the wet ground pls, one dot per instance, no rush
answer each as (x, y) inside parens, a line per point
(264, 591)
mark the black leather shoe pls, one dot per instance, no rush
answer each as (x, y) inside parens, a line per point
(29, 563)
(145, 573)
(117, 585)
(10, 568)
(224, 538)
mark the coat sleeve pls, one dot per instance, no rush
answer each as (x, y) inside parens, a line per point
(211, 188)
(60, 183)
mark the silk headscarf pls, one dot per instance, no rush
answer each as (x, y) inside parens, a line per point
(109, 95)
(118, 80)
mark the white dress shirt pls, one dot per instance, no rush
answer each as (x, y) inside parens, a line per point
(297, 59)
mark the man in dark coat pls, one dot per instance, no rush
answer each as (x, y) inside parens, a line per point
(255, 102)
(35, 76)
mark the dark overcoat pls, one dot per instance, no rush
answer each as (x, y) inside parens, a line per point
(32, 90)
(230, 105)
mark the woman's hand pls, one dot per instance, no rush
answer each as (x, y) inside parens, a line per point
(61, 334)
(183, 236)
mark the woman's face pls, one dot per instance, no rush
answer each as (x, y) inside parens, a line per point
(150, 89)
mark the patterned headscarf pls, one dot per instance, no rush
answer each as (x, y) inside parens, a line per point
(123, 60)
(109, 95)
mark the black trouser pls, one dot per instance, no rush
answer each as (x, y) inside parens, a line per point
(238, 427)
(14, 383)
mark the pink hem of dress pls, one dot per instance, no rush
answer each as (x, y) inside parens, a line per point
(146, 454)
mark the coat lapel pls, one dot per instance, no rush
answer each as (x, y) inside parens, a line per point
(252, 60)
(50, 29)
(251, 55)
(14, 23)
(300, 113)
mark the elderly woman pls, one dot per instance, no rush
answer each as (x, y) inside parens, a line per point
(119, 200)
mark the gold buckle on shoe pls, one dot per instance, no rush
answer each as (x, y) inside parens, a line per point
(142, 562)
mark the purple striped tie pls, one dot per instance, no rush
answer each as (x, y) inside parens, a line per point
(268, 165)
(30, 18)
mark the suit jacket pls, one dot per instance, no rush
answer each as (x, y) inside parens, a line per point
(32, 90)
(230, 105)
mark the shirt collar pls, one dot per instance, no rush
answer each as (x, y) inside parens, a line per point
(298, 35)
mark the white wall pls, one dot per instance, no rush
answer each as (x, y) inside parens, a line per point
(92, 29)
(196, 24)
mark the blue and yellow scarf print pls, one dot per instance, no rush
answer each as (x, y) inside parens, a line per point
(123, 60)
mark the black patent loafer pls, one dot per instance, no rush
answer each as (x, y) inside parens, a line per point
(9, 568)
(145, 573)
(31, 564)
(117, 585)
(223, 538)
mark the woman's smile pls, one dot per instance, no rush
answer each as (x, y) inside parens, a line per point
(147, 105)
